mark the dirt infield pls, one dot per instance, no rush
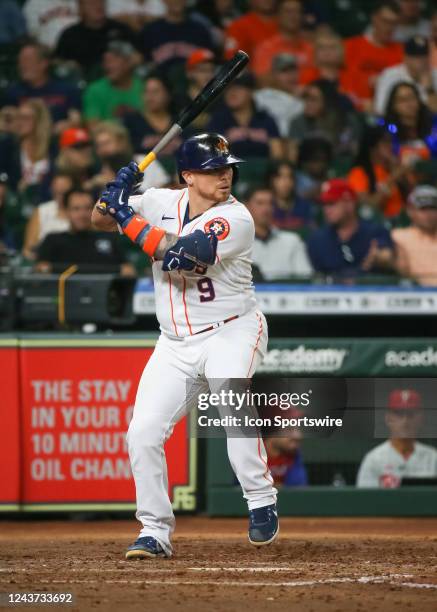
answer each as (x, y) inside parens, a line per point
(333, 565)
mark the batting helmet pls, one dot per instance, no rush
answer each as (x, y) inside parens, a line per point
(205, 152)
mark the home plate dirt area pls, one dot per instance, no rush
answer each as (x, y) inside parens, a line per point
(333, 565)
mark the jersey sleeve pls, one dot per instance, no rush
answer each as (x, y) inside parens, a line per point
(152, 204)
(367, 474)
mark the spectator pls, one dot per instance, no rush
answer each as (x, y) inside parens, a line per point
(323, 115)
(135, 13)
(62, 99)
(372, 52)
(81, 245)
(415, 69)
(276, 254)
(290, 212)
(313, 161)
(113, 149)
(329, 65)
(148, 126)
(259, 23)
(416, 246)
(86, 42)
(252, 132)
(377, 176)
(8, 120)
(411, 124)
(169, 41)
(76, 155)
(284, 459)
(411, 22)
(401, 456)
(46, 19)
(119, 91)
(34, 133)
(49, 217)
(7, 241)
(200, 69)
(348, 246)
(289, 39)
(12, 24)
(282, 99)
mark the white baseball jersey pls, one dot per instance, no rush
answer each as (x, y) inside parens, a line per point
(188, 302)
(384, 466)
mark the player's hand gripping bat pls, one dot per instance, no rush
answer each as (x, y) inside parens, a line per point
(227, 73)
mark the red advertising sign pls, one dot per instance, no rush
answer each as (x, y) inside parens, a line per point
(10, 420)
(77, 402)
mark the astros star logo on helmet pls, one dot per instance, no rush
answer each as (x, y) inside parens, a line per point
(219, 226)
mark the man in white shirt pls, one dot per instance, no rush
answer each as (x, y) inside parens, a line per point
(276, 253)
(135, 13)
(416, 69)
(400, 456)
(281, 100)
(46, 19)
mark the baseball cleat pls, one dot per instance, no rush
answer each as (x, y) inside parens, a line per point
(263, 525)
(144, 548)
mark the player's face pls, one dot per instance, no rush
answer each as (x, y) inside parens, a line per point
(211, 185)
(403, 423)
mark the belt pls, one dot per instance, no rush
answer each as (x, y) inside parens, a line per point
(215, 325)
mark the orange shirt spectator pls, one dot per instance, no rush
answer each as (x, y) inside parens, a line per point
(375, 50)
(360, 181)
(246, 31)
(289, 39)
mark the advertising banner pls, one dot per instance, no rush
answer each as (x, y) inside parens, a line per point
(77, 398)
(9, 432)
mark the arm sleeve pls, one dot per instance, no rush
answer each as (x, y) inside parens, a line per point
(151, 204)
(367, 474)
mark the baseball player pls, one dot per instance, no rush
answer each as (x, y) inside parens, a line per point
(200, 239)
(401, 455)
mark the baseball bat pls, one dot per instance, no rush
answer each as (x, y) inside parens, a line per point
(227, 73)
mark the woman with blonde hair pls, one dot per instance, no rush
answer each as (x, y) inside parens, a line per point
(34, 130)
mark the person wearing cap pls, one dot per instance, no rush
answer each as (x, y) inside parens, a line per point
(85, 42)
(348, 246)
(119, 91)
(416, 246)
(75, 154)
(63, 99)
(252, 132)
(282, 98)
(289, 39)
(200, 68)
(415, 69)
(401, 455)
(169, 41)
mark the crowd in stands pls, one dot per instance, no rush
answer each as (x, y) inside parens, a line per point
(336, 117)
